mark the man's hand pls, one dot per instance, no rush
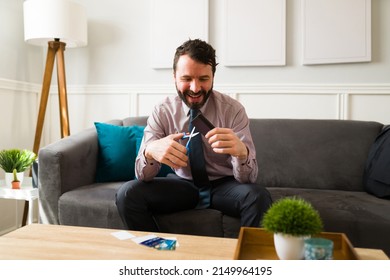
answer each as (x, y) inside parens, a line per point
(225, 141)
(168, 151)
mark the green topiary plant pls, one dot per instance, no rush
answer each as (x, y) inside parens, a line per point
(294, 216)
(16, 159)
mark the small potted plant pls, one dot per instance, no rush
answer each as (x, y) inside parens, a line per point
(17, 159)
(15, 182)
(292, 220)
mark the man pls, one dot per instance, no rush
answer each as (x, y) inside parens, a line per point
(228, 155)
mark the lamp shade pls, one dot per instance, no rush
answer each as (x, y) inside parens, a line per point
(46, 20)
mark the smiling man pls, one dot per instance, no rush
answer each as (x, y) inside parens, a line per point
(226, 159)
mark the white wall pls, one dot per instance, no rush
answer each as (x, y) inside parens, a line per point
(119, 50)
(20, 67)
(115, 69)
(18, 61)
(112, 77)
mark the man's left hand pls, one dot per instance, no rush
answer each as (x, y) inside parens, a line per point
(225, 141)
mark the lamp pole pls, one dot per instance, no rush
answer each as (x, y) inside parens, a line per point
(56, 48)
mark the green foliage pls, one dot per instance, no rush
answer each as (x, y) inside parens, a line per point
(292, 215)
(16, 159)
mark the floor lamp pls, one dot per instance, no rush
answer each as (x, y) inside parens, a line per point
(55, 24)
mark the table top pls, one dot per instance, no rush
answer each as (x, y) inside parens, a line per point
(39, 241)
(25, 192)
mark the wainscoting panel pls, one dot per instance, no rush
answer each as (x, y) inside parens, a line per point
(368, 107)
(85, 109)
(146, 102)
(299, 106)
(18, 113)
(101, 103)
(90, 103)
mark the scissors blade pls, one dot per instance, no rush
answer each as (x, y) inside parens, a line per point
(191, 135)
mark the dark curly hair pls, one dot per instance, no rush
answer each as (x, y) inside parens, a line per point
(199, 51)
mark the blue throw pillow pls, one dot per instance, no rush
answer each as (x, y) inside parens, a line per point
(118, 149)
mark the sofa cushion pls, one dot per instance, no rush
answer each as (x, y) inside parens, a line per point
(117, 151)
(320, 154)
(90, 206)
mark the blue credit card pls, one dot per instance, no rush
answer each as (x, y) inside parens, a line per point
(160, 243)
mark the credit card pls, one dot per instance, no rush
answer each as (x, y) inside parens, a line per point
(158, 243)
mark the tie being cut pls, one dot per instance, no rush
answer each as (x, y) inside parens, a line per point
(198, 165)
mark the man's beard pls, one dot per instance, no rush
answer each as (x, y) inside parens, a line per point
(194, 105)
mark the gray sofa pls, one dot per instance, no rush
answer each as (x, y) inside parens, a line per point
(321, 161)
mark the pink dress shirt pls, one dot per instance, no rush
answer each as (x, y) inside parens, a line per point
(171, 115)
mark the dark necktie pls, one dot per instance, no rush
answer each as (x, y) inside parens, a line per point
(198, 165)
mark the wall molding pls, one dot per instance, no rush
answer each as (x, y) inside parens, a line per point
(136, 92)
(337, 101)
(141, 96)
(305, 88)
(381, 88)
(6, 86)
(363, 88)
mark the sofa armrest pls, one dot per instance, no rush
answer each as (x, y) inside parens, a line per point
(63, 166)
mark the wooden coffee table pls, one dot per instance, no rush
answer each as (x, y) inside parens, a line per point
(38, 241)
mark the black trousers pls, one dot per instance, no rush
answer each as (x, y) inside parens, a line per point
(137, 201)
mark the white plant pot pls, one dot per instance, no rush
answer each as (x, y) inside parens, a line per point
(9, 177)
(289, 247)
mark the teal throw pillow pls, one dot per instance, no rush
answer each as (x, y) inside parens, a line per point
(117, 151)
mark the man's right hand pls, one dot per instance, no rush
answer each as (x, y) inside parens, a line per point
(168, 150)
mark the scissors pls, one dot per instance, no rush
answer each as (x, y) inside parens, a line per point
(190, 137)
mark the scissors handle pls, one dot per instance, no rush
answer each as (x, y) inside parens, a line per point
(187, 135)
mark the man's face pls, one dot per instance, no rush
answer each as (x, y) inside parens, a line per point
(194, 81)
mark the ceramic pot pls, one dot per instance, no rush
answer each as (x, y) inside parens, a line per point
(15, 185)
(289, 247)
(9, 177)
